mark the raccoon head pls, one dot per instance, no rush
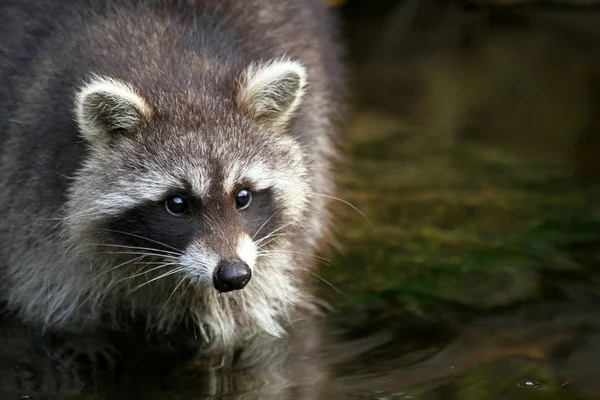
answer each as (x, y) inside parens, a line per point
(181, 200)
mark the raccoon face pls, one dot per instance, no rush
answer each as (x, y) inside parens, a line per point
(201, 201)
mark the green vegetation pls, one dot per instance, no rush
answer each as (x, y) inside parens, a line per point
(455, 232)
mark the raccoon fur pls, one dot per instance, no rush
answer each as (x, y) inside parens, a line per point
(166, 158)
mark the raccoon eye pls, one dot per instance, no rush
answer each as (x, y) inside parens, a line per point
(177, 206)
(243, 197)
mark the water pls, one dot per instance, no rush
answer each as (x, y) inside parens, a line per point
(473, 273)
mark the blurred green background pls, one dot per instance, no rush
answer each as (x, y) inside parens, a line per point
(474, 151)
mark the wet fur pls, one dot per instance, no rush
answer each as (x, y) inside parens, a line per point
(186, 61)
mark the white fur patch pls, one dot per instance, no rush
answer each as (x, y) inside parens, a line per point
(246, 250)
(272, 91)
(289, 188)
(153, 185)
(199, 262)
(104, 104)
(259, 175)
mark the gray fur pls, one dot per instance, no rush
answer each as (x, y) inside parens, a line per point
(186, 61)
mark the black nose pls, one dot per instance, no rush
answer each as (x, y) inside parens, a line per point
(231, 275)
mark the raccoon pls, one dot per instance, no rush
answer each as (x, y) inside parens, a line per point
(167, 159)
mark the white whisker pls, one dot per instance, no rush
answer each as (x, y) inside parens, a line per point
(181, 296)
(326, 282)
(138, 248)
(344, 202)
(146, 272)
(144, 238)
(271, 239)
(154, 262)
(177, 270)
(172, 293)
(119, 266)
(264, 223)
(270, 234)
(294, 252)
(137, 253)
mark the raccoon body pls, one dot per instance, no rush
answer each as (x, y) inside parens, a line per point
(169, 159)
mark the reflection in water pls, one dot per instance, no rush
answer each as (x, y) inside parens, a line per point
(544, 351)
(28, 368)
(135, 366)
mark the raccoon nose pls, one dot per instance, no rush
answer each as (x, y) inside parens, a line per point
(231, 275)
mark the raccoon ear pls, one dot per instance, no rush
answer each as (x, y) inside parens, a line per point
(272, 91)
(105, 105)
